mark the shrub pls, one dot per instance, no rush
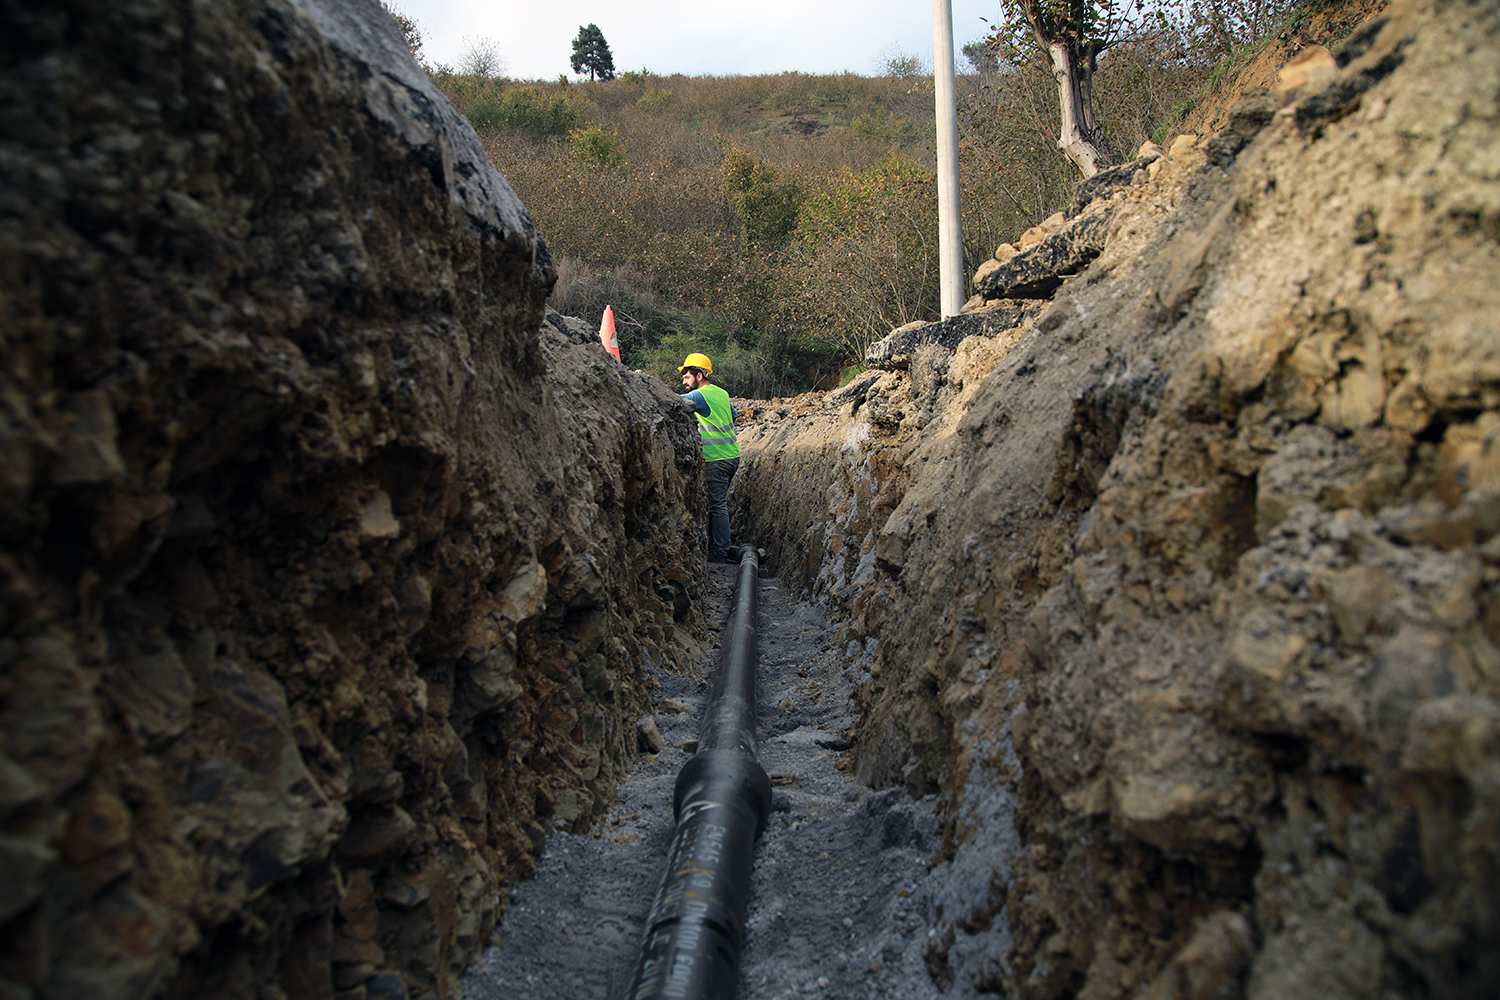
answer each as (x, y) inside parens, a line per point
(597, 146)
(523, 109)
(880, 125)
(410, 30)
(1141, 83)
(642, 315)
(755, 370)
(903, 65)
(1180, 110)
(1223, 26)
(655, 100)
(865, 258)
(765, 203)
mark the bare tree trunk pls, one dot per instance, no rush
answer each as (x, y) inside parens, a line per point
(1079, 137)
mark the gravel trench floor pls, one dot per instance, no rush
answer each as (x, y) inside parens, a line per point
(842, 895)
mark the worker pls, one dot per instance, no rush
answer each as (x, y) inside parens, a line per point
(721, 455)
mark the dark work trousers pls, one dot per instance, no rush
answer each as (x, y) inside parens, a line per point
(718, 474)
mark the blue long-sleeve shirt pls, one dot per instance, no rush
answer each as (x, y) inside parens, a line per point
(702, 404)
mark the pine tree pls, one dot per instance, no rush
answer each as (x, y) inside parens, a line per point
(591, 54)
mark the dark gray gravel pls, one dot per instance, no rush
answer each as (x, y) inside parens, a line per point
(842, 898)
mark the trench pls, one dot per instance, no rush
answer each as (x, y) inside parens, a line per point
(319, 529)
(842, 890)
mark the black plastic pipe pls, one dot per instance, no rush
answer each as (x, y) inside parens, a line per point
(691, 949)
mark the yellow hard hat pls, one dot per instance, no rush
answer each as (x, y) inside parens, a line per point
(697, 361)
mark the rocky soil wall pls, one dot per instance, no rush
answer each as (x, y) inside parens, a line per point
(320, 547)
(1200, 568)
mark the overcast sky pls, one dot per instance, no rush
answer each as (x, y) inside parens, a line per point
(695, 37)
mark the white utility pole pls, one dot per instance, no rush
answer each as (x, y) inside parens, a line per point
(950, 228)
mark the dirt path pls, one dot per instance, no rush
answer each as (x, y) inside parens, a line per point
(842, 895)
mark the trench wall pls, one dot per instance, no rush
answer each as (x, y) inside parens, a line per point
(332, 568)
(1185, 594)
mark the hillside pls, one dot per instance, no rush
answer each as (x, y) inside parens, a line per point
(789, 221)
(737, 210)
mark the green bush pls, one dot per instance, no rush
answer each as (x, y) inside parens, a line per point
(597, 146)
(523, 109)
(865, 255)
(1180, 110)
(654, 100)
(757, 370)
(765, 203)
(880, 125)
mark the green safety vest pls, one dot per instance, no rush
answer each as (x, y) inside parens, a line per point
(717, 429)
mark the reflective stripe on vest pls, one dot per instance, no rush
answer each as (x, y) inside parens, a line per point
(717, 429)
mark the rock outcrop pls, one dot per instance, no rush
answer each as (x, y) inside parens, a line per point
(1037, 271)
(1186, 594)
(896, 349)
(332, 575)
